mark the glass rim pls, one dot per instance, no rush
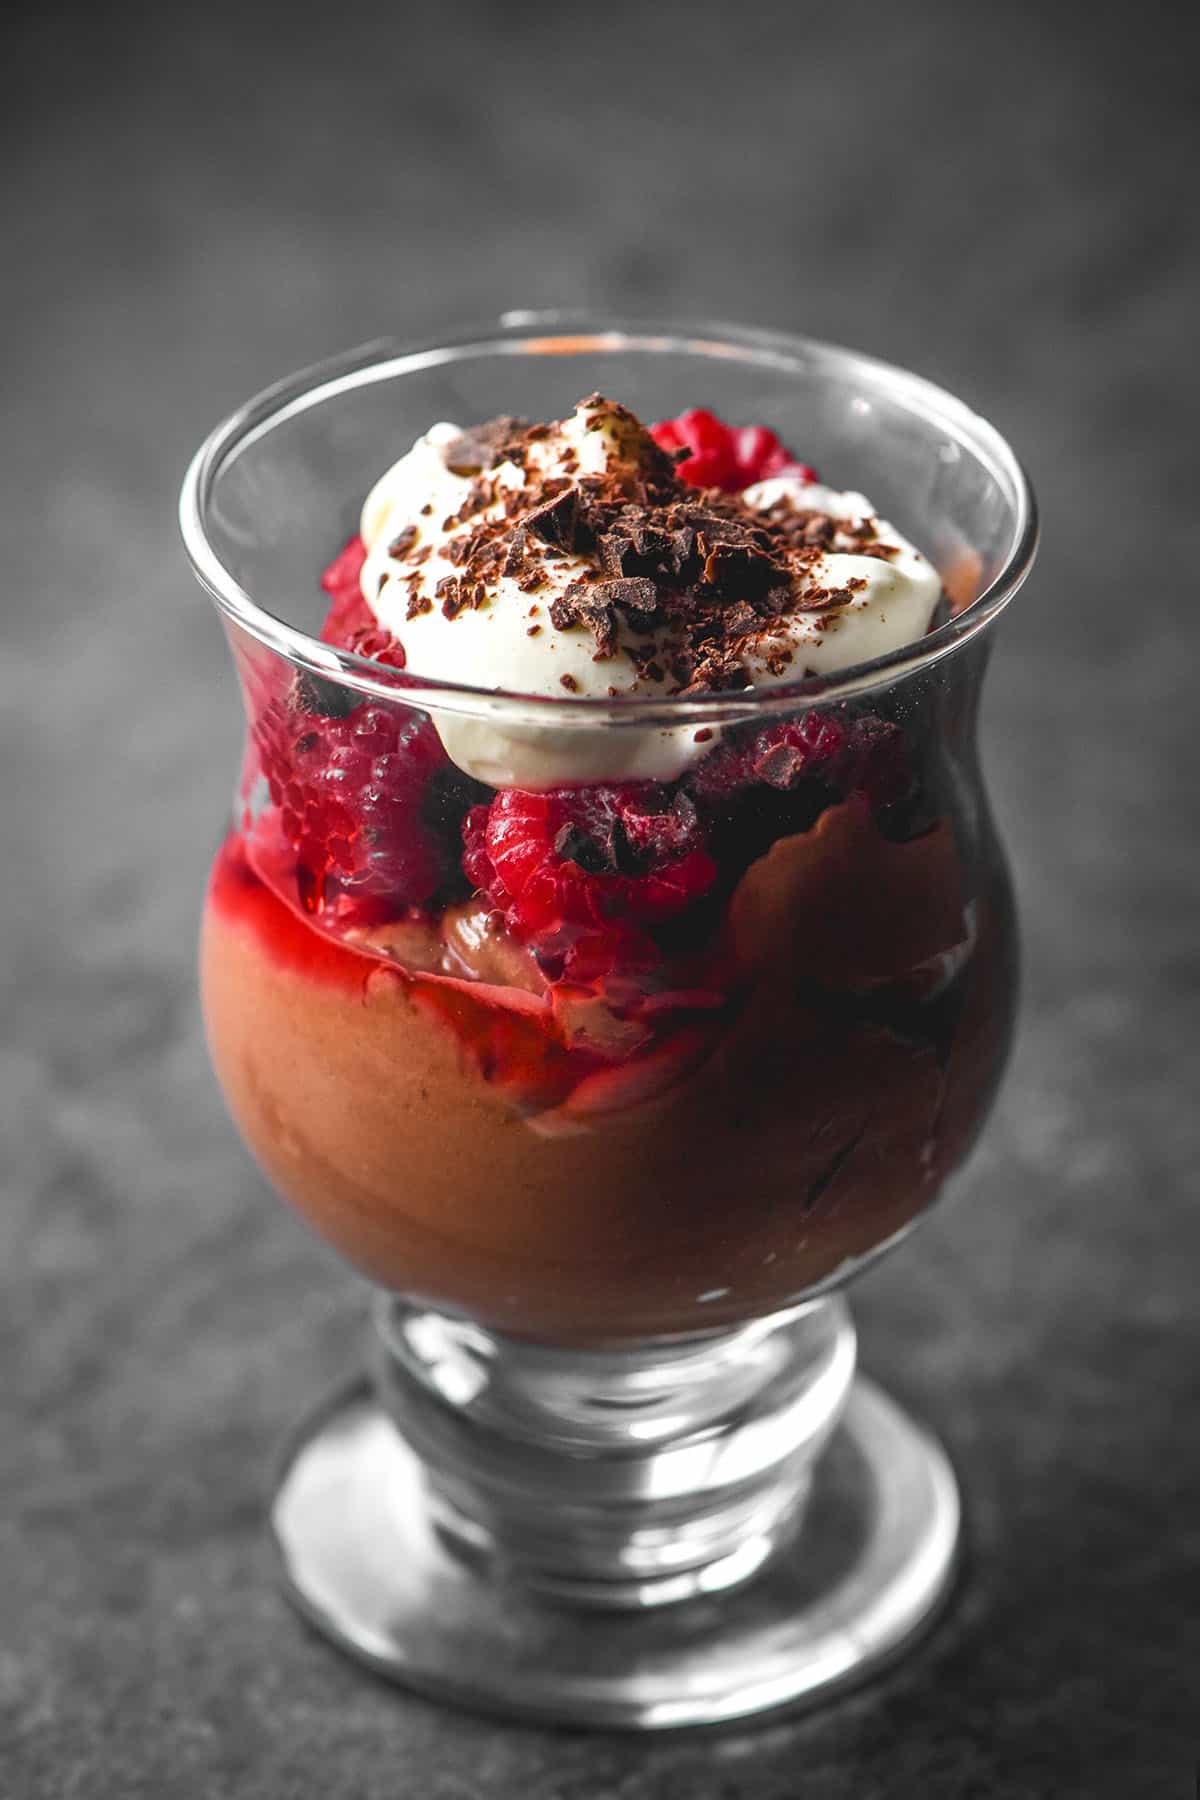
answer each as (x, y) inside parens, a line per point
(572, 332)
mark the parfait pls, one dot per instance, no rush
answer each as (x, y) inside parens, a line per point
(602, 1030)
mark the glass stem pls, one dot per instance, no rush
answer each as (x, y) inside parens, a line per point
(623, 1477)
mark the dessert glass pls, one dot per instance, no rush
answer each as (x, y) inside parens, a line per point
(612, 1464)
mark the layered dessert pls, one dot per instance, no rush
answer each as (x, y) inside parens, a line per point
(553, 991)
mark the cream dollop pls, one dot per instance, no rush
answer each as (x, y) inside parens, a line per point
(508, 641)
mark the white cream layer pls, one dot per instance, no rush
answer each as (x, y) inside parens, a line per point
(491, 646)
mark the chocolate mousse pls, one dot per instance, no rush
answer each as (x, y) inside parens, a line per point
(595, 1030)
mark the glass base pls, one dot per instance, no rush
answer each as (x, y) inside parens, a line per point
(872, 1553)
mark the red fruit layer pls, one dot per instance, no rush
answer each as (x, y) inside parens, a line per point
(726, 456)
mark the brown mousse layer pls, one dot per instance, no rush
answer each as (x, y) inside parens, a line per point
(448, 1144)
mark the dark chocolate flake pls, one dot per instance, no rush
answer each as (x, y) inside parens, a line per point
(604, 849)
(483, 446)
(633, 594)
(449, 592)
(581, 604)
(572, 844)
(740, 619)
(555, 521)
(326, 699)
(514, 559)
(741, 571)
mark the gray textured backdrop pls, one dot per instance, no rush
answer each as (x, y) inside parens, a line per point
(194, 201)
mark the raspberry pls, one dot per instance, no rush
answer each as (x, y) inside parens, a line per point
(777, 755)
(350, 624)
(348, 610)
(726, 456)
(759, 786)
(584, 874)
(846, 753)
(477, 864)
(352, 795)
(876, 762)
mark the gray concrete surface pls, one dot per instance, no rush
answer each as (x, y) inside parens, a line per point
(196, 201)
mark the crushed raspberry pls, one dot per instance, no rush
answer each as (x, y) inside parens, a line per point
(726, 456)
(585, 873)
(353, 800)
(350, 624)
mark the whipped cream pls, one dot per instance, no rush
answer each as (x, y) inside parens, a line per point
(418, 513)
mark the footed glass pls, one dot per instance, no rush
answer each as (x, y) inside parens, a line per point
(610, 1462)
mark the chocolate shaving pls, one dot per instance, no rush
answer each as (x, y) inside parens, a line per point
(741, 619)
(327, 699)
(572, 843)
(596, 603)
(639, 544)
(555, 522)
(483, 446)
(449, 591)
(741, 570)
(782, 765)
(514, 559)
(633, 594)
(582, 604)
